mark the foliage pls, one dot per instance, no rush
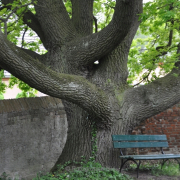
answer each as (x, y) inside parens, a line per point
(2, 85)
(169, 168)
(13, 26)
(27, 91)
(155, 45)
(103, 11)
(1, 96)
(19, 33)
(95, 171)
(4, 176)
(87, 171)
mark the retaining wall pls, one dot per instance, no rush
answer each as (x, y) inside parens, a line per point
(33, 132)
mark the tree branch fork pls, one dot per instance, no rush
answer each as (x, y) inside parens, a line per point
(77, 89)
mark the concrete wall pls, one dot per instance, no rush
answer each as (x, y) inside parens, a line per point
(166, 122)
(33, 132)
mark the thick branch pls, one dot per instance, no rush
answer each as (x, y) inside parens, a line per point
(88, 49)
(177, 64)
(31, 20)
(82, 16)
(34, 55)
(75, 89)
(55, 22)
(114, 65)
(96, 25)
(148, 100)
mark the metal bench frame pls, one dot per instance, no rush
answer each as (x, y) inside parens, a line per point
(142, 141)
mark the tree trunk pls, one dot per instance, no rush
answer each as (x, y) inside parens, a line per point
(110, 75)
(93, 94)
(79, 138)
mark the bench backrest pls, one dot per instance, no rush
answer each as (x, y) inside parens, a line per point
(139, 141)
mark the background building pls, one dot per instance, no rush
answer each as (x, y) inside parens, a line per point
(12, 93)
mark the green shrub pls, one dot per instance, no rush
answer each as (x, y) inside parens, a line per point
(89, 171)
(4, 176)
(169, 169)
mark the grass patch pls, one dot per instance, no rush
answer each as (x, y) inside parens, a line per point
(169, 169)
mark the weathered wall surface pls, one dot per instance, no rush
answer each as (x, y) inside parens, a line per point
(33, 133)
(167, 122)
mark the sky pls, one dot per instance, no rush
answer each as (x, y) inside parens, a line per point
(145, 1)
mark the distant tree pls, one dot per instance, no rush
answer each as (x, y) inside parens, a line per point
(95, 93)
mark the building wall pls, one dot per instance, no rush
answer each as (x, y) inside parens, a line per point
(166, 122)
(12, 93)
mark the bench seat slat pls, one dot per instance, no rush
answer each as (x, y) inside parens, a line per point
(139, 138)
(139, 144)
(151, 157)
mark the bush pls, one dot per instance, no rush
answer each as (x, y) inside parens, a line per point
(89, 171)
(170, 168)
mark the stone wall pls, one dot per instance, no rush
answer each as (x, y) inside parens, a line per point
(167, 122)
(33, 132)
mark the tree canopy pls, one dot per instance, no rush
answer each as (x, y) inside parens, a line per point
(155, 44)
(158, 47)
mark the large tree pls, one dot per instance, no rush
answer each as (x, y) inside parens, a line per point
(93, 94)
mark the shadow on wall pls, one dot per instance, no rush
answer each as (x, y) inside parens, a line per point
(33, 132)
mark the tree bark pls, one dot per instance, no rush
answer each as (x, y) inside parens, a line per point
(111, 75)
(82, 16)
(92, 94)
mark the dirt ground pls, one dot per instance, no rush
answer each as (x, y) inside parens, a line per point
(146, 175)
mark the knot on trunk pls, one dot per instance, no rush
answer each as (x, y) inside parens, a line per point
(100, 123)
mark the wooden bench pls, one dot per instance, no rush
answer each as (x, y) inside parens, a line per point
(142, 141)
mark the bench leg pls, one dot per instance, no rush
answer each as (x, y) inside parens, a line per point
(164, 161)
(178, 163)
(138, 165)
(124, 162)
